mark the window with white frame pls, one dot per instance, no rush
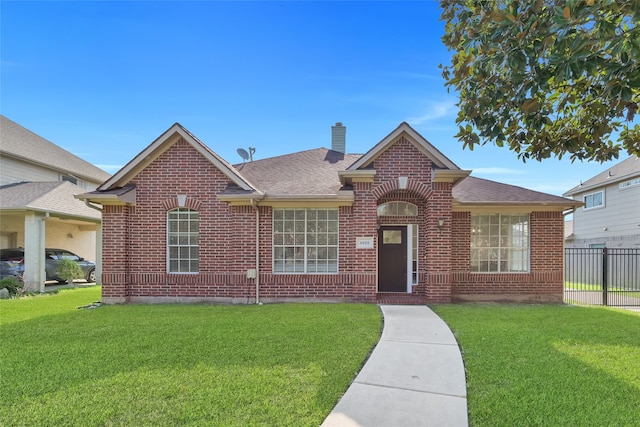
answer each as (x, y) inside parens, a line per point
(305, 240)
(414, 253)
(397, 209)
(71, 179)
(594, 200)
(630, 183)
(500, 243)
(183, 250)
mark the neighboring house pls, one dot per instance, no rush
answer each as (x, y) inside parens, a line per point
(38, 182)
(610, 216)
(400, 222)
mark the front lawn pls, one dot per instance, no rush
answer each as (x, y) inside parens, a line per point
(548, 365)
(168, 365)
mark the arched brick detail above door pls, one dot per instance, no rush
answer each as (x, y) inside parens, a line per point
(398, 184)
(181, 201)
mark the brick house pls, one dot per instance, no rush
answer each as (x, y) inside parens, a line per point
(401, 223)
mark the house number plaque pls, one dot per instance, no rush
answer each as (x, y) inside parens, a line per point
(364, 242)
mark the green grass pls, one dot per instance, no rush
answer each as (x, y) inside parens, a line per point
(549, 365)
(595, 287)
(167, 365)
(611, 289)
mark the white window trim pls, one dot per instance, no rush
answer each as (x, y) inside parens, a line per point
(305, 272)
(594, 207)
(409, 267)
(397, 204)
(168, 260)
(629, 184)
(410, 259)
(528, 270)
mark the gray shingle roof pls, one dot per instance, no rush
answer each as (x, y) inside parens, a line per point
(19, 142)
(311, 172)
(477, 190)
(55, 197)
(315, 172)
(622, 171)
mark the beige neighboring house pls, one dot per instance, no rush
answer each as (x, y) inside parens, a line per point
(610, 216)
(38, 182)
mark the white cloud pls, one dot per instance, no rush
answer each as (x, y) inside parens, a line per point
(434, 111)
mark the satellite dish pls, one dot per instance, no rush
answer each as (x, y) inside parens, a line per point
(243, 153)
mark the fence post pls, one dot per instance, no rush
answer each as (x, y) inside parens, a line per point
(605, 276)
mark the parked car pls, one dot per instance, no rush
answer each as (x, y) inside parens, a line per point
(12, 263)
(11, 269)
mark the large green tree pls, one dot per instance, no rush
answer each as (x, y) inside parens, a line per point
(546, 78)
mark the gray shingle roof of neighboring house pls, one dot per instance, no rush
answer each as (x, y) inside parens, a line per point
(311, 172)
(16, 141)
(482, 191)
(53, 197)
(622, 171)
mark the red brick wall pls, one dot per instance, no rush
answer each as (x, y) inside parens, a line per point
(543, 283)
(434, 202)
(115, 251)
(134, 240)
(227, 234)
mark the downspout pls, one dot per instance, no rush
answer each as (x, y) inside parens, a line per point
(256, 208)
(89, 205)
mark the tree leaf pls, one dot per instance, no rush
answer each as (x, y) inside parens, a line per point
(545, 78)
(530, 106)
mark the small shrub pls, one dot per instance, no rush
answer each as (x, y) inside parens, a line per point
(13, 285)
(69, 270)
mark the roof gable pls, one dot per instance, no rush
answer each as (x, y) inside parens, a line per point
(162, 144)
(20, 143)
(438, 159)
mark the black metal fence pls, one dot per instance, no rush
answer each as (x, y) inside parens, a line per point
(602, 276)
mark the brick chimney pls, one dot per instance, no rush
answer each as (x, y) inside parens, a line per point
(338, 137)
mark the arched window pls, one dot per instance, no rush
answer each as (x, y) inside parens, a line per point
(182, 240)
(397, 209)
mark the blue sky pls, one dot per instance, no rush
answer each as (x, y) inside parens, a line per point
(104, 79)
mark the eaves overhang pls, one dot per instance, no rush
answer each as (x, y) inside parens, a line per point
(449, 175)
(53, 213)
(342, 198)
(348, 177)
(513, 207)
(117, 197)
(584, 188)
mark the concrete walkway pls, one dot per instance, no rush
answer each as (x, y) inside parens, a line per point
(414, 376)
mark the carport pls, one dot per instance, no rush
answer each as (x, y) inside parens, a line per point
(35, 215)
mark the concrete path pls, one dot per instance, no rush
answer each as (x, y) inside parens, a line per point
(414, 376)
